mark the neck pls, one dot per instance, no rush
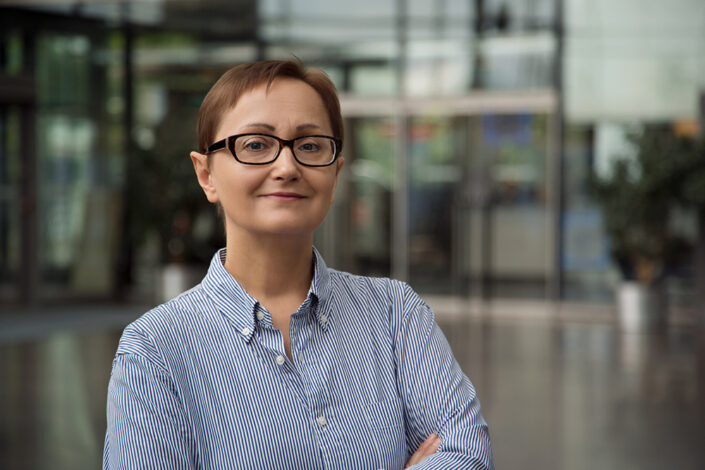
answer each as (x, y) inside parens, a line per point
(271, 267)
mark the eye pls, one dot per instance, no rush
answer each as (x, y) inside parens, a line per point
(254, 144)
(309, 145)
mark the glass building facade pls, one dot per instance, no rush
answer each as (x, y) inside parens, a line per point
(472, 130)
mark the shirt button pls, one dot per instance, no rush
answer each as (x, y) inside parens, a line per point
(245, 331)
(301, 357)
(324, 318)
(280, 360)
(260, 316)
(321, 421)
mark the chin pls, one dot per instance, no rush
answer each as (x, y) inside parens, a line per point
(295, 227)
(288, 230)
(285, 235)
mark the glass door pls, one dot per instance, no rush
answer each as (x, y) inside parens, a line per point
(511, 221)
(458, 203)
(436, 154)
(370, 180)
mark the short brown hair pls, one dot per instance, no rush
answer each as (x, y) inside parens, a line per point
(240, 79)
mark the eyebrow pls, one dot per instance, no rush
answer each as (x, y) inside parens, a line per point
(269, 127)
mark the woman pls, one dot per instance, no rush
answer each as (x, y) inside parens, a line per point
(275, 360)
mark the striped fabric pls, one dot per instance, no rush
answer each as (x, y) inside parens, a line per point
(203, 382)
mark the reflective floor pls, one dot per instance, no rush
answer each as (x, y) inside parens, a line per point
(557, 395)
(584, 396)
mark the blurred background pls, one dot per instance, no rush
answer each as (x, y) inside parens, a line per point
(534, 168)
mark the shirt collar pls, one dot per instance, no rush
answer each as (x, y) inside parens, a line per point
(231, 299)
(240, 308)
(321, 289)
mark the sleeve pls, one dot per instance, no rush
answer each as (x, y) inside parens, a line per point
(146, 425)
(438, 396)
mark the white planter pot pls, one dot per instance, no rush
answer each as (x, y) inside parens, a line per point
(640, 307)
(176, 278)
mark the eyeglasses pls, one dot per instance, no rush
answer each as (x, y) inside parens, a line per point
(261, 149)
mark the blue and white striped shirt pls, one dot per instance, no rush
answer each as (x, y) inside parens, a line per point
(203, 382)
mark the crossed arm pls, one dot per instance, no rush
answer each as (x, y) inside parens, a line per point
(426, 449)
(438, 396)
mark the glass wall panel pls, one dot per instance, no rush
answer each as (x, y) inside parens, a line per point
(520, 15)
(327, 25)
(453, 10)
(12, 52)
(438, 67)
(517, 62)
(79, 159)
(10, 202)
(511, 253)
(436, 150)
(374, 79)
(586, 260)
(65, 145)
(65, 139)
(371, 179)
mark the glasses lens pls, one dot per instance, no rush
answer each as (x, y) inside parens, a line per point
(314, 150)
(256, 148)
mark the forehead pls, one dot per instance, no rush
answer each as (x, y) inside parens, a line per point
(285, 103)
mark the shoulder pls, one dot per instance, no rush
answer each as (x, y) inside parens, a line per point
(396, 297)
(164, 324)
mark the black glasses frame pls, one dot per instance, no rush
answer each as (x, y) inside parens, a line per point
(229, 143)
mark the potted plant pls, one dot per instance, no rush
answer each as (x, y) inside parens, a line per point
(168, 206)
(637, 199)
(692, 197)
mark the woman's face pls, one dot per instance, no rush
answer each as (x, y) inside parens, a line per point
(283, 197)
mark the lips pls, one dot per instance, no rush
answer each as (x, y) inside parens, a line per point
(284, 196)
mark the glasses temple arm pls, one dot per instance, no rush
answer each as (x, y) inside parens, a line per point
(216, 146)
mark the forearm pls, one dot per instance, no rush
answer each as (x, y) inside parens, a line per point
(454, 460)
(465, 442)
(438, 396)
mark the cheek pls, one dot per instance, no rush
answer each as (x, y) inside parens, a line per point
(327, 182)
(333, 187)
(326, 187)
(232, 185)
(332, 193)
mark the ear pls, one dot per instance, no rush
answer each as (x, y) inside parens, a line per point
(338, 166)
(203, 173)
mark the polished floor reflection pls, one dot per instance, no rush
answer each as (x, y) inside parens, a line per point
(52, 400)
(579, 396)
(556, 395)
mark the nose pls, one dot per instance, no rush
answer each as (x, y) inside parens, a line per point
(285, 167)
